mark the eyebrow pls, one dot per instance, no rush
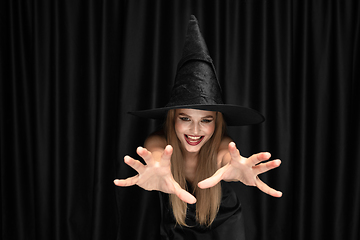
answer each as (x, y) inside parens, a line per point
(208, 116)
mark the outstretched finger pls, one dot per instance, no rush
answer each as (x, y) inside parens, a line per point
(144, 154)
(266, 189)
(259, 157)
(167, 153)
(126, 182)
(186, 196)
(234, 152)
(135, 164)
(213, 180)
(264, 167)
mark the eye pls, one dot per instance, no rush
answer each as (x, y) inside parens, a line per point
(207, 120)
(184, 119)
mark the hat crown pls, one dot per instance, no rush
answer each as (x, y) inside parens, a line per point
(196, 82)
(196, 85)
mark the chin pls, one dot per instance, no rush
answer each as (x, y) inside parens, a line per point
(192, 149)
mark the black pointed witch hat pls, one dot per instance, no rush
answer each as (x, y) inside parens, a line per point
(197, 87)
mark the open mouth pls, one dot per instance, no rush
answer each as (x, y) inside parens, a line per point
(193, 140)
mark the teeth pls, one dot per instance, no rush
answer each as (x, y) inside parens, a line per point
(193, 138)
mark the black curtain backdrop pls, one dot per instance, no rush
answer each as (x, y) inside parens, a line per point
(70, 70)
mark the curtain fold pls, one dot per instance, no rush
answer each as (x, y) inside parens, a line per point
(71, 70)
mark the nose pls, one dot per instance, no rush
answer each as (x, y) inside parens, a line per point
(195, 128)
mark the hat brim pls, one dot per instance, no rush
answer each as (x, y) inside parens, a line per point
(234, 115)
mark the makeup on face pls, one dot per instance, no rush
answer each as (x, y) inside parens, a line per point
(194, 128)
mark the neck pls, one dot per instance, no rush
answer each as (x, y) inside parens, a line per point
(191, 156)
(190, 164)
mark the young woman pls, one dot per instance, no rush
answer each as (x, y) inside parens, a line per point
(192, 158)
(203, 156)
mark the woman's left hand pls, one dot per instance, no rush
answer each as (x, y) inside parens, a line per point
(245, 170)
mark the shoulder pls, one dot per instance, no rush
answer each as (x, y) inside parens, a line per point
(224, 144)
(156, 140)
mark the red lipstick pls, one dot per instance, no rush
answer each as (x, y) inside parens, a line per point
(193, 140)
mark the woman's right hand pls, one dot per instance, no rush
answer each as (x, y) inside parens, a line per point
(155, 175)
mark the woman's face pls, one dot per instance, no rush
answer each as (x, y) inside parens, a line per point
(194, 128)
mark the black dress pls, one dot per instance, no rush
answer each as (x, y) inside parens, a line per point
(228, 224)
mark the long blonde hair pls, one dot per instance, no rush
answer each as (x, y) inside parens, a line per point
(208, 200)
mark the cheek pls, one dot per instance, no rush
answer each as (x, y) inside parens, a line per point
(181, 126)
(179, 129)
(210, 130)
